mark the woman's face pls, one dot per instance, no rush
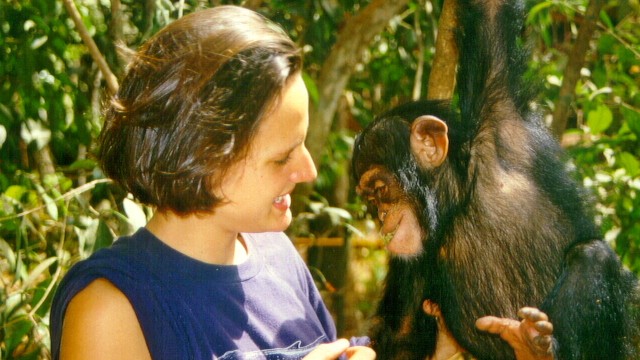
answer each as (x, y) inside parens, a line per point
(258, 188)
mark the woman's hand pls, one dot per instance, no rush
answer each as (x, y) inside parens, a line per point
(332, 351)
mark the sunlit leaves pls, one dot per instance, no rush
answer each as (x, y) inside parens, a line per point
(135, 213)
(606, 109)
(43, 224)
(629, 162)
(599, 119)
(632, 119)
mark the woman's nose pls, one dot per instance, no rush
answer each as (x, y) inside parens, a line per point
(306, 170)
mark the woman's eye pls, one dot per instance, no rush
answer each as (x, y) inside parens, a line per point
(284, 161)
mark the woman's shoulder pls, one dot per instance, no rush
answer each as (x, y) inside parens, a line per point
(101, 320)
(87, 291)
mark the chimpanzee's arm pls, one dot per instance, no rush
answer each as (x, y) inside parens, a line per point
(594, 306)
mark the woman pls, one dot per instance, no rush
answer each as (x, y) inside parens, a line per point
(208, 128)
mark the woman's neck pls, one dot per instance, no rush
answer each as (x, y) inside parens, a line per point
(199, 236)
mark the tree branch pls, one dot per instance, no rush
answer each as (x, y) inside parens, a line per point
(112, 82)
(574, 64)
(252, 4)
(417, 82)
(442, 79)
(115, 27)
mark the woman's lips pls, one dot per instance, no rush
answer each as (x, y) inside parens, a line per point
(282, 202)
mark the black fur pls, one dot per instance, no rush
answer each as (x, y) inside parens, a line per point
(506, 224)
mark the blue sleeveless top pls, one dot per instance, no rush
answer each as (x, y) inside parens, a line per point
(265, 308)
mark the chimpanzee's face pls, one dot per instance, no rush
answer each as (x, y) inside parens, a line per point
(399, 225)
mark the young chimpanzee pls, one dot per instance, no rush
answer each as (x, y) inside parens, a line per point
(482, 216)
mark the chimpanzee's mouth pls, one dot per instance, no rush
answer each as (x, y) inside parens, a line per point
(386, 238)
(389, 224)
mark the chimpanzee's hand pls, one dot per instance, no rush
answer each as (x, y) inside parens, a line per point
(531, 338)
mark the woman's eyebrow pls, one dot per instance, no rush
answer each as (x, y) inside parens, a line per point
(292, 148)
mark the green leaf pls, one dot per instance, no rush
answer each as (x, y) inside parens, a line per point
(15, 330)
(52, 208)
(8, 253)
(599, 119)
(629, 163)
(35, 273)
(314, 95)
(37, 298)
(536, 9)
(104, 237)
(632, 118)
(15, 192)
(84, 164)
(135, 213)
(606, 19)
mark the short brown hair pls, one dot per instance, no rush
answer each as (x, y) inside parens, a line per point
(190, 103)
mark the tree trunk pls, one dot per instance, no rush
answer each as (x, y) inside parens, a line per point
(442, 79)
(354, 38)
(574, 64)
(44, 161)
(417, 82)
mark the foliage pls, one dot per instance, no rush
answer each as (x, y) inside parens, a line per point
(57, 208)
(605, 130)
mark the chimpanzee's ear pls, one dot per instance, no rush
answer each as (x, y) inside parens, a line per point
(429, 141)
